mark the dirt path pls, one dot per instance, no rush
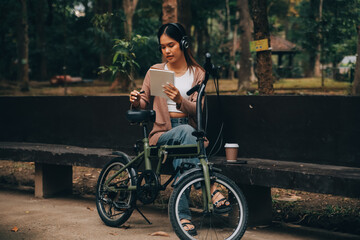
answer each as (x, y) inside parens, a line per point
(334, 213)
(75, 218)
(69, 218)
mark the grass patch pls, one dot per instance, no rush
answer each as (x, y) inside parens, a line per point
(227, 87)
(309, 83)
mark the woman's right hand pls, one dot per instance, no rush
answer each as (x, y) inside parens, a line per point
(135, 98)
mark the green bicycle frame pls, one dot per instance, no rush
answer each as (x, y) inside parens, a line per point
(165, 152)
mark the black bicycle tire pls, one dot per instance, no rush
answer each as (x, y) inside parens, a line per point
(175, 194)
(128, 212)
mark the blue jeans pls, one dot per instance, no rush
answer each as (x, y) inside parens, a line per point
(180, 134)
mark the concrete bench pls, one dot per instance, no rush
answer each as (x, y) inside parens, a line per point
(258, 176)
(328, 179)
(53, 173)
(53, 163)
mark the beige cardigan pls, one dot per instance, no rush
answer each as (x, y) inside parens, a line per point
(162, 123)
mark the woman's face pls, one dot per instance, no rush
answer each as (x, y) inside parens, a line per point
(170, 48)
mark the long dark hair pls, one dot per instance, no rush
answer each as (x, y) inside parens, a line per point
(177, 33)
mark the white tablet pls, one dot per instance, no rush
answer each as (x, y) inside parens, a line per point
(158, 78)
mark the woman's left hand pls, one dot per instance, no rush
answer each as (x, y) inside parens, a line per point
(173, 93)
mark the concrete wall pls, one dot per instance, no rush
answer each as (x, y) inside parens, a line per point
(319, 129)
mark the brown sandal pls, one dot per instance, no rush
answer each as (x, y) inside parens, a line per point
(192, 232)
(225, 207)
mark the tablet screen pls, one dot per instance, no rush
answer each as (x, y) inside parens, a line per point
(158, 78)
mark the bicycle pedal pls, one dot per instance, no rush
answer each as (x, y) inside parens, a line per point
(106, 200)
(222, 211)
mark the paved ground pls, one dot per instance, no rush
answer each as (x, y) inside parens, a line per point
(74, 218)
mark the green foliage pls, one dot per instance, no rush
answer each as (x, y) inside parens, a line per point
(82, 43)
(146, 22)
(208, 19)
(278, 11)
(339, 32)
(336, 31)
(124, 57)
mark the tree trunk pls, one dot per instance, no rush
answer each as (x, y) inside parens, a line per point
(245, 38)
(317, 64)
(129, 9)
(169, 10)
(310, 72)
(228, 25)
(184, 14)
(202, 40)
(103, 7)
(40, 38)
(98, 9)
(356, 82)
(23, 47)
(313, 68)
(317, 70)
(227, 37)
(234, 48)
(263, 58)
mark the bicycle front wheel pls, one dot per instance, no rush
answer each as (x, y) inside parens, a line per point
(229, 225)
(114, 202)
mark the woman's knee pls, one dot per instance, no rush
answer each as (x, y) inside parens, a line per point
(186, 129)
(186, 132)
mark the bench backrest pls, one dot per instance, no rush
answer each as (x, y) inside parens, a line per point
(317, 129)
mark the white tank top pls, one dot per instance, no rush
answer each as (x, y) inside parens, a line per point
(182, 83)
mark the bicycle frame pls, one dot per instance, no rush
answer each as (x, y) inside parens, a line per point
(163, 151)
(145, 157)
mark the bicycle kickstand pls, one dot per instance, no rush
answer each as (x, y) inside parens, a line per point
(137, 209)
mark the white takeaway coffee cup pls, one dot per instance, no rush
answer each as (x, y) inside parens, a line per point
(231, 150)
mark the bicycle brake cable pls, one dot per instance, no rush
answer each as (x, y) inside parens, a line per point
(220, 134)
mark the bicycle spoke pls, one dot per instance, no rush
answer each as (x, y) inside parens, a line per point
(226, 223)
(113, 199)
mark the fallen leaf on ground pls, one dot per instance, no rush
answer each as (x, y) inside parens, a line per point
(263, 226)
(15, 229)
(114, 234)
(90, 208)
(291, 198)
(160, 233)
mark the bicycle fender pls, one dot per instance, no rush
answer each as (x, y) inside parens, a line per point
(192, 171)
(123, 155)
(185, 174)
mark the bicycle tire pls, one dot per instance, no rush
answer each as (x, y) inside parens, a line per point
(231, 225)
(115, 208)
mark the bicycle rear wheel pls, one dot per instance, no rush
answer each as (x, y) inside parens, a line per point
(113, 205)
(230, 225)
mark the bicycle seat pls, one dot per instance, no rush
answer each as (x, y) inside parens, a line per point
(139, 116)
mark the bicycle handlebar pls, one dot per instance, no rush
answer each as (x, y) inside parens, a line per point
(209, 68)
(193, 89)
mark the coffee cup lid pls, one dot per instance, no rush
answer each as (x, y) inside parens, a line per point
(231, 145)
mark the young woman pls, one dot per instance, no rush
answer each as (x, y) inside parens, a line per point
(176, 116)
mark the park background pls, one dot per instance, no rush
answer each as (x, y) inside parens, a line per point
(314, 44)
(43, 40)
